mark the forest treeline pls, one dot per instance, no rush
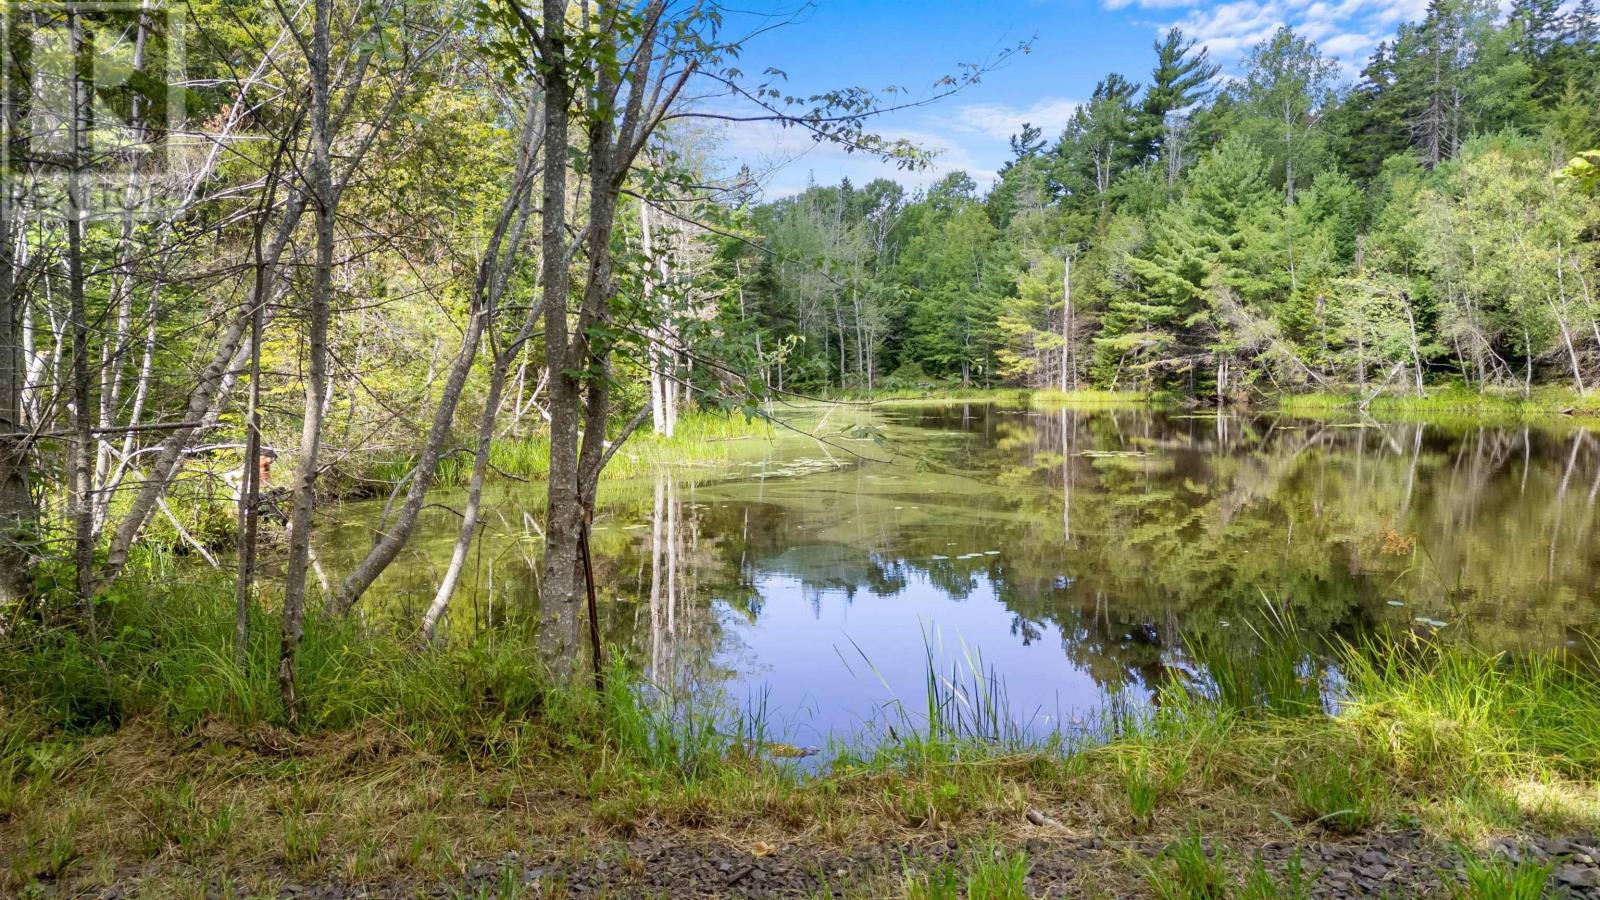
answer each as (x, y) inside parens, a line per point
(1273, 229)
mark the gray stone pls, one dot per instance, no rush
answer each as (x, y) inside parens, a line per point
(1579, 876)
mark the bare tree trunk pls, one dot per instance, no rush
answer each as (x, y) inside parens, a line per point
(18, 516)
(206, 400)
(35, 363)
(250, 488)
(304, 494)
(114, 347)
(1572, 351)
(1067, 360)
(655, 353)
(1561, 319)
(1416, 352)
(469, 513)
(82, 443)
(558, 585)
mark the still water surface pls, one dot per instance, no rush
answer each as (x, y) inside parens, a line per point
(1070, 554)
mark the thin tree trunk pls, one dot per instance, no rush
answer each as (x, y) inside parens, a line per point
(1572, 351)
(655, 356)
(82, 444)
(113, 349)
(469, 513)
(18, 516)
(516, 205)
(250, 489)
(558, 584)
(304, 492)
(1067, 361)
(1416, 351)
(1566, 334)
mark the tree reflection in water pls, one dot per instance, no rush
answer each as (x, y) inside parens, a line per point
(1078, 548)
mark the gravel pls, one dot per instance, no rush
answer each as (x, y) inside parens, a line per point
(1397, 864)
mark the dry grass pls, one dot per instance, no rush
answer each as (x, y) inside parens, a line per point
(369, 804)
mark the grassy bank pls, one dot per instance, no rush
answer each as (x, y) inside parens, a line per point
(701, 438)
(1453, 401)
(154, 750)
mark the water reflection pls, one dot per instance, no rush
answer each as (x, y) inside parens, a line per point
(1075, 550)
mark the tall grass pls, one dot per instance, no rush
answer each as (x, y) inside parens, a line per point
(167, 655)
(1433, 711)
(1276, 674)
(1451, 399)
(1443, 711)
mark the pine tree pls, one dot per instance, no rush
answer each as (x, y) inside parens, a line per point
(1165, 326)
(1370, 126)
(1181, 79)
(1102, 138)
(1538, 32)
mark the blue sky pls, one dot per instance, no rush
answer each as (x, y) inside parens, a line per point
(875, 43)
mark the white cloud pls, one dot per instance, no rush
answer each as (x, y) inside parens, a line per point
(1000, 121)
(1349, 44)
(1345, 30)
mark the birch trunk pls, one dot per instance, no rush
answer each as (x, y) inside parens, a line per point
(82, 443)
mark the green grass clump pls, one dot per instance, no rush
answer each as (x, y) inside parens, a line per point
(1502, 879)
(167, 655)
(1188, 870)
(991, 873)
(1276, 674)
(1446, 712)
(1340, 794)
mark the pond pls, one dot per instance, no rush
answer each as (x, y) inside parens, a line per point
(1059, 556)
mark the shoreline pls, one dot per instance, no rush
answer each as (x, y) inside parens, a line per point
(427, 769)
